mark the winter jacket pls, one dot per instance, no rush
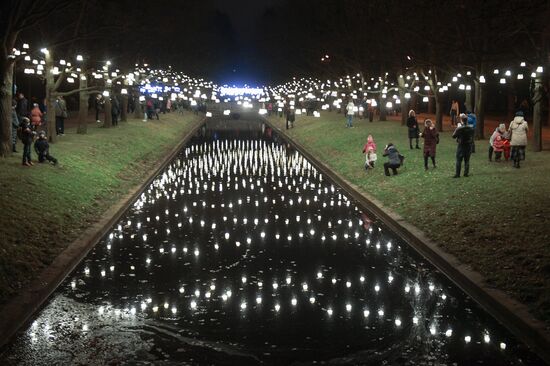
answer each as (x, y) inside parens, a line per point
(464, 135)
(22, 107)
(393, 155)
(350, 109)
(61, 108)
(472, 120)
(41, 146)
(27, 134)
(14, 120)
(498, 144)
(494, 135)
(36, 116)
(430, 136)
(519, 128)
(370, 157)
(370, 144)
(413, 127)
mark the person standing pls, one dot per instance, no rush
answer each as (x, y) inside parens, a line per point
(98, 104)
(455, 110)
(14, 126)
(60, 115)
(518, 130)
(290, 117)
(412, 125)
(350, 111)
(464, 136)
(115, 110)
(26, 136)
(36, 116)
(22, 107)
(431, 139)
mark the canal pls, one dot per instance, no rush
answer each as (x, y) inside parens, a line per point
(241, 253)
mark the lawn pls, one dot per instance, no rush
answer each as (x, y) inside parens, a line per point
(497, 220)
(45, 207)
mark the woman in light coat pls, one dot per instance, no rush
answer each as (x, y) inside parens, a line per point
(518, 130)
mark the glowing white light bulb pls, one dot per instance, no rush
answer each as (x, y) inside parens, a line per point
(348, 307)
(329, 311)
(398, 322)
(486, 338)
(380, 312)
(312, 300)
(193, 304)
(258, 300)
(294, 301)
(348, 284)
(243, 305)
(502, 346)
(243, 279)
(182, 290)
(467, 339)
(415, 320)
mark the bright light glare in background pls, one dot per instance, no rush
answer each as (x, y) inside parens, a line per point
(241, 91)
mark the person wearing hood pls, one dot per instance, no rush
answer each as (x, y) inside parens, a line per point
(370, 158)
(36, 116)
(518, 130)
(370, 144)
(498, 147)
(412, 125)
(394, 159)
(499, 131)
(42, 149)
(464, 136)
(350, 111)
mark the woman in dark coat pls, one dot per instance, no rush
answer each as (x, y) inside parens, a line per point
(431, 138)
(412, 124)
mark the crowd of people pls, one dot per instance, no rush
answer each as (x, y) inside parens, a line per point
(504, 143)
(29, 126)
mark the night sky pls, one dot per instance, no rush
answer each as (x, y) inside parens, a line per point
(269, 41)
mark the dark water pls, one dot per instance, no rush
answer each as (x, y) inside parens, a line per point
(242, 253)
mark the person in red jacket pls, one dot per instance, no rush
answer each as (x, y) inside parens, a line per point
(498, 147)
(36, 116)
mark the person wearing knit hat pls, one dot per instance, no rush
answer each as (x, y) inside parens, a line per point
(464, 136)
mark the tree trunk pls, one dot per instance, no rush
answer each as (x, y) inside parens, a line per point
(438, 111)
(404, 101)
(431, 99)
(510, 104)
(83, 106)
(537, 114)
(382, 103)
(50, 103)
(124, 108)
(108, 118)
(480, 109)
(138, 113)
(468, 102)
(6, 96)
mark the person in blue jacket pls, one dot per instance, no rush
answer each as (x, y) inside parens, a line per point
(472, 122)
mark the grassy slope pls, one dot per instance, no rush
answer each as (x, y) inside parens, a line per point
(44, 208)
(497, 220)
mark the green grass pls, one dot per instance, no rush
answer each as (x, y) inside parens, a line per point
(497, 221)
(44, 207)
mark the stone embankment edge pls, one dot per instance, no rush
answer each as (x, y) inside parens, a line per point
(512, 314)
(18, 311)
